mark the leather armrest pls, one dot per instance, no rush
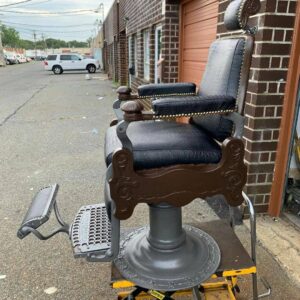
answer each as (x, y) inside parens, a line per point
(152, 90)
(193, 105)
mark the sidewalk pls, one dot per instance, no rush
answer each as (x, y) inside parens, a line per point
(282, 240)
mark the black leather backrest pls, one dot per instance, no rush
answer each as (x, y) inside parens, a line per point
(221, 77)
(223, 68)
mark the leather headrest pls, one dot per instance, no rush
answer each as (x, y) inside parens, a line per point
(238, 12)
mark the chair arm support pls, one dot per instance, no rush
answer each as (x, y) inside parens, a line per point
(164, 89)
(193, 105)
(239, 122)
(134, 111)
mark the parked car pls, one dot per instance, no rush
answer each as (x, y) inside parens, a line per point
(58, 63)
(21, 59)
(5, 59)
(11, 58)
(28, 59)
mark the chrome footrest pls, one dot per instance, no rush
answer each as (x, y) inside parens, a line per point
(91, 232)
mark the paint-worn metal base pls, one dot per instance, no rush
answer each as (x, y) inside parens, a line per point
(186, 266)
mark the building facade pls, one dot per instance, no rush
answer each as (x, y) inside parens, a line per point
(168, 41)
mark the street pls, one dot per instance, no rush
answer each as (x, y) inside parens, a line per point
(52, 130)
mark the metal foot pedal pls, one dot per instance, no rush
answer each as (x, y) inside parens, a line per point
(39, 213)
(91, 233)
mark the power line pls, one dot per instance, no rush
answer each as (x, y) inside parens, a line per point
(74, 12)
(52, 31)
(28, 29)
(35, 3)
(16, 3)
(56, 26)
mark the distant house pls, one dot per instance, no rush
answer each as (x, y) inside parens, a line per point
(168, 41)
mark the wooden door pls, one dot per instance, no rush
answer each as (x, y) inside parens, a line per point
(198, 31)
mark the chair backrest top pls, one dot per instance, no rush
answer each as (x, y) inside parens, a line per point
(238, 12)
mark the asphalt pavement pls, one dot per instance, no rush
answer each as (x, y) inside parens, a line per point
(52, 129)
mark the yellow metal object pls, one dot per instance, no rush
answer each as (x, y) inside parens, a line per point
(122, 284)
(156, 294)
(230, 273)
(145, 296)
(219, 290)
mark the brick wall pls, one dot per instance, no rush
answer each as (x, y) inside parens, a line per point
(122, 59)
(265, 92)
(111, 48)
(142, 15)
(171, 42)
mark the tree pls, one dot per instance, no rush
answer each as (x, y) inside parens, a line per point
(89, 41)
(10, 37)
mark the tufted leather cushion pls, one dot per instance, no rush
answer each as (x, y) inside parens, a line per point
(215, 125)
(221, 77)
(166, 88)
(223, 68)
(158, 144)
(192, 104)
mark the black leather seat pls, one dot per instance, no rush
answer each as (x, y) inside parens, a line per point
(160, 143)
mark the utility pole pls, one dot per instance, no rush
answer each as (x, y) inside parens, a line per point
(44, 42)
(34, 37)
(2, 60)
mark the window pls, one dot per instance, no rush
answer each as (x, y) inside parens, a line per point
(158, 54)
(135, 55)
(130, 62)
(146, 55)
(65, 57)
(75, 57)
(51, 57)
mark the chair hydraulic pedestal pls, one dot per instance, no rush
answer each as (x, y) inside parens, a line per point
(167, 255)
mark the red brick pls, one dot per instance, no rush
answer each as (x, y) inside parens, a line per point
(262, 146)
(261, 178)
(259, 189)
(289, 35)
(267, 99)
(292, 8)
(251, 178)
(272, 87)
(252, 134)
(275, 62)
(261, 168)
(270, 6)
(275, 134)
(279, 21)
(264, 157)
(285, 62)
(267, 135)
(273, 49)
(282, 6)
(257, 87)
(273, 156)
(278, 35)
(270, 75)
(270, 112)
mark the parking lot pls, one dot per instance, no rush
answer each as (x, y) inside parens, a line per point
(52, 130)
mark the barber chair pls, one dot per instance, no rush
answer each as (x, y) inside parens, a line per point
(152, 159)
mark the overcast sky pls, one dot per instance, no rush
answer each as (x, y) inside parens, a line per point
(78, 25)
